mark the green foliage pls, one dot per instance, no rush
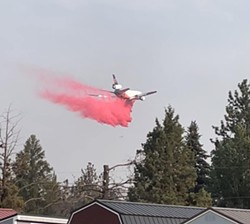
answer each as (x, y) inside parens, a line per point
(231, 156)
(201, 165)
(201, 198)
(11, 198)
(165, 172)
(35, 179)
(88, 186)
(52, 197)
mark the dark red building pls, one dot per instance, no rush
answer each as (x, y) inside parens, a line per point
(121, 212)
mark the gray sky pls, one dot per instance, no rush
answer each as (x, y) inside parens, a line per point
(193, 52)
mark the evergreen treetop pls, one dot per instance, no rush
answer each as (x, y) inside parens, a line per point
(231, 156)
(165, 172)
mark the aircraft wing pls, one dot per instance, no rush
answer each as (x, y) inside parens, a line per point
(148, 93)
(141, 96)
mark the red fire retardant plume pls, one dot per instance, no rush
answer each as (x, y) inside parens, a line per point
(76, 97)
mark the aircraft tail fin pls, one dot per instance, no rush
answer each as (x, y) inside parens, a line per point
(115, 82)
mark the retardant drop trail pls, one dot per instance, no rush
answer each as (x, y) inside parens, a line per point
(74, 96)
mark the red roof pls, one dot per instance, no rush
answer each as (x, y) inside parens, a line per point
(6, 213)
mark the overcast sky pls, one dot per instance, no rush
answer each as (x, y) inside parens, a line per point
(193, 52)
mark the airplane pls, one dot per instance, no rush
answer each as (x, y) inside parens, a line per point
(126, 93)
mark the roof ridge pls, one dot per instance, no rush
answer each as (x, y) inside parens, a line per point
(150, 204)
(231, 209)
(155, 216)
(7, 209)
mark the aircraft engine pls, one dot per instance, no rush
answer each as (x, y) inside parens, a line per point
(117, 86)
(142, 98)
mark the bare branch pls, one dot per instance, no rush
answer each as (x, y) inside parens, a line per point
(33, 199)
(115, 185)
(123, 164)
(9, 136)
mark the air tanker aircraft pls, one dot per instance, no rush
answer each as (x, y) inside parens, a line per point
(126, 93)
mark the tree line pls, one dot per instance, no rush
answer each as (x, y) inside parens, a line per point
(171, 167)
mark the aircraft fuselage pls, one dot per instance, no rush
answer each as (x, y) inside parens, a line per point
(130, 94)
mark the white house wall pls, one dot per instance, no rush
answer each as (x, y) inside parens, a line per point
(25, 219)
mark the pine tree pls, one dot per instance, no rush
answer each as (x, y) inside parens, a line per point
(86, 188)
(201, 199)
(200, 156)
(165, 172)
(34, 178)
(201, 165)
(11, 198)
(52, 197)
(231, 156)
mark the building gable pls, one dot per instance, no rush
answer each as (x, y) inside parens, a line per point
(94, 213)
(10, 220)
(210, 217)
